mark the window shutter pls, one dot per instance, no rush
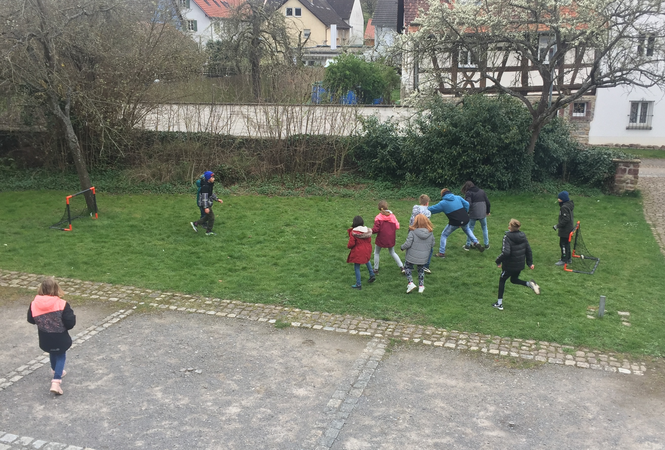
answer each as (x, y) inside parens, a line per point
(187, 4)
(194, 26)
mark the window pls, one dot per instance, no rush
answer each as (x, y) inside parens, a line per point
(310, 63)
(466, 58)
(306, 33)
(546, 47)
(579, 109)
(183, 3)
(650, 41)
(191, 25)
(298, 12)
(289, 12)
(640, 115)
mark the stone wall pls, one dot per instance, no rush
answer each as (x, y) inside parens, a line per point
(627, 174)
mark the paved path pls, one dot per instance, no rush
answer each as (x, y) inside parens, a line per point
(652, 186)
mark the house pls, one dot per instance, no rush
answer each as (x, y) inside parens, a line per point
(318, 23)
(204, 19)
(369, 34)
(386, 24)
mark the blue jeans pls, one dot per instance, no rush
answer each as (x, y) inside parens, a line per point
(57, 364)
(483, 224)
(448, 231)
(357, 267)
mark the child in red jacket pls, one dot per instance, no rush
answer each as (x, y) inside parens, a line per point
(360, 243)
(385, 229)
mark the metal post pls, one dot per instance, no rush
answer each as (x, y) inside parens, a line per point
(601, 307)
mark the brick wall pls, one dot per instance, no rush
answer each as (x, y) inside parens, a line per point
(627, 174)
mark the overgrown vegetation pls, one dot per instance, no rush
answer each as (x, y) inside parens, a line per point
(370, 81)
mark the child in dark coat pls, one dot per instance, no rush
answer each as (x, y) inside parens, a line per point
(564, 227)
(385, 230)
(514, 251)
(206, 199)
(360, 243)
(53, 317)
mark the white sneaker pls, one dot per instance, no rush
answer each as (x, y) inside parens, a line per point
(421, 289)
(410, 287)
(426, 270)
(535, 287)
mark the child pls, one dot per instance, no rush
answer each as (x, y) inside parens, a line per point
(421, 208)
(360, 243)
(457, 211)
(206, 199)
(53, 317)
(514, 251)
(479, 210)
(564, 227)
(419, 244)
(385, 228)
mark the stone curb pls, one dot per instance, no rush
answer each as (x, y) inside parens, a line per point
(541, 351)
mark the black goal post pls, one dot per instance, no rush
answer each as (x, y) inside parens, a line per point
(582, 260)
(76, 206)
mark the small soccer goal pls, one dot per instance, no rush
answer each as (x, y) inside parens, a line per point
(76, 207)
(582, 260)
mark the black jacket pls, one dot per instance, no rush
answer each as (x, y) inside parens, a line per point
(479, 204)
(566, 220)
(54, 318)
(514, 250)
(206, 196)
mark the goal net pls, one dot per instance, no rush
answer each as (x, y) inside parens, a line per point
(582, 260)
(76, 207)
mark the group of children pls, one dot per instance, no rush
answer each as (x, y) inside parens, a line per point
(462, 213)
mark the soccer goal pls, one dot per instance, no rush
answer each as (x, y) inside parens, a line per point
(76, 207)
(582, 260)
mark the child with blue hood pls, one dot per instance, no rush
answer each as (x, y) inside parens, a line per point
(206, 199)
(457, 211)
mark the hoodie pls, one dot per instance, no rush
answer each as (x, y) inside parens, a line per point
(566, 219)
(419, 209)
(455, 208)
(385, 229)
(360, 243)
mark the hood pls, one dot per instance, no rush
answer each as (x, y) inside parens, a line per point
(361, 232)
(387, 216)
(422, 233)
(515, 236)
(473, 189)
(569, 203)
(448, 197)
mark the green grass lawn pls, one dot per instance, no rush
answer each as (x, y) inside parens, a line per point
(292, 251)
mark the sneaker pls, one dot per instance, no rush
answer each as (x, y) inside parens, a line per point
(426, 270)
(440, 255)
(421, 289)
(487, 247)
(497, 306)
(467, 247)
(479, 247)
(535, 287)
(356, 286)
(410, 287)
(376, 271)
(372, 279)
(210, 233)
(560, 262)
(196, 230)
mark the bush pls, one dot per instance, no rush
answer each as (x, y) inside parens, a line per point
(369, 80)
(594, 167)
(554, 152)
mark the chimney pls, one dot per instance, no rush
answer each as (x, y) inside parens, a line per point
(333, 36)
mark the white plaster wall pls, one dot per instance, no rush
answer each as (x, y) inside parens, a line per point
(357, 24)
(268, 121)
(384, 38)
(611, 117)
(204, 28)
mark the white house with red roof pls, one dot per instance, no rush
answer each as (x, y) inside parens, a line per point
(204, 19)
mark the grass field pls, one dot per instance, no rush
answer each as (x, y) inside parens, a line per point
(292, 251)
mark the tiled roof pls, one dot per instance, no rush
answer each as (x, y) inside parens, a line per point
(411, 8)
(342, 7)
(220, 9)
(385, 13)
(369, 30)
(324, 12)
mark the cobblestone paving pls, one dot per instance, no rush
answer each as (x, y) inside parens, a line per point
(546, 352)
(10, 441)
(652, 186)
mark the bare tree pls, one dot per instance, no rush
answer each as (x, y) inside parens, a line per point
(546, 53)
(90, 63)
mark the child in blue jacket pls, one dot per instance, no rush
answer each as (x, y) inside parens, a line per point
(457, 211)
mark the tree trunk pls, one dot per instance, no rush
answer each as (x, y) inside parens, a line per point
(255, 55)
(535, 132)
(74, 148)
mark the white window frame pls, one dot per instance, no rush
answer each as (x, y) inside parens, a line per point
(297, 12)
(306, 33)
(191, 25)
(289, 12)
(465, 59)
(579, 114)
(641, 113)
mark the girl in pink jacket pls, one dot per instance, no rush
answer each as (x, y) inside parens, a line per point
(385, 229)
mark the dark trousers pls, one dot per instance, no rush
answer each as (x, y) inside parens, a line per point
(514, 278)
(208, 220)
(564, 243)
